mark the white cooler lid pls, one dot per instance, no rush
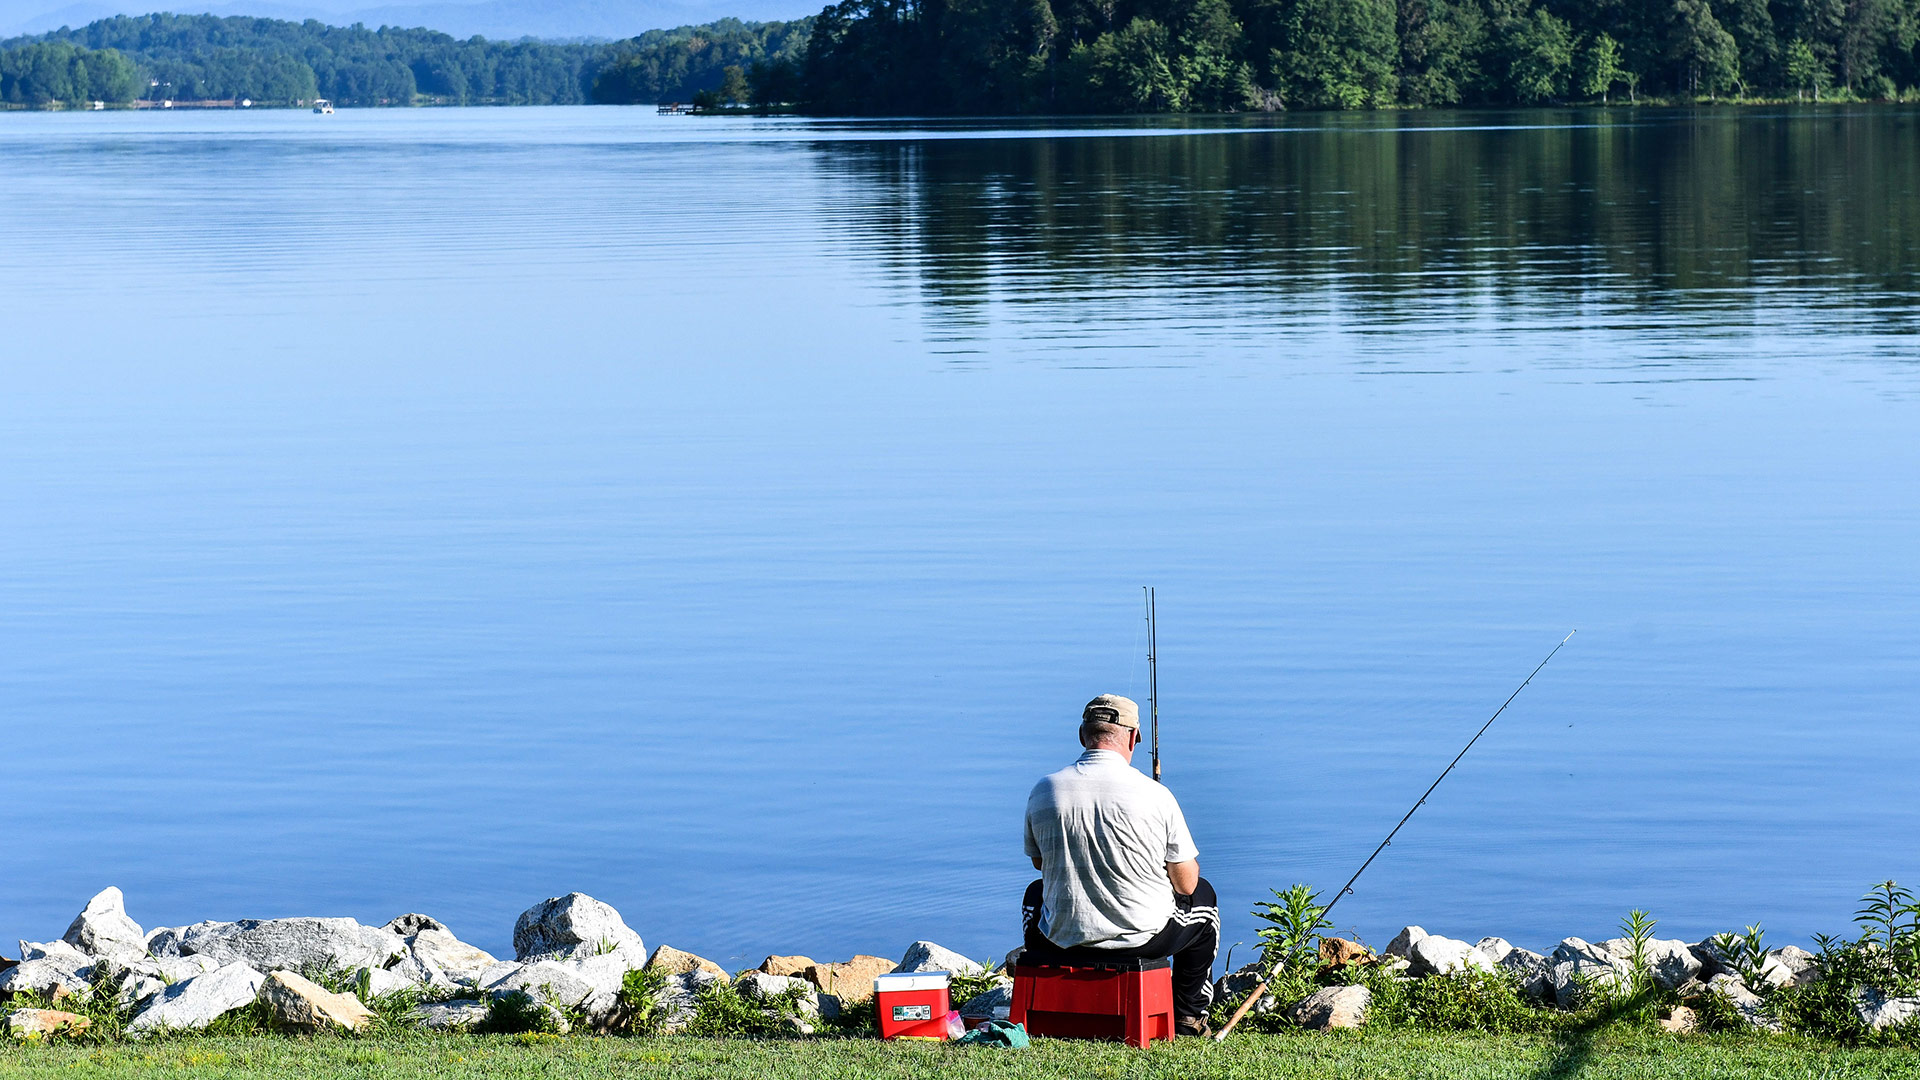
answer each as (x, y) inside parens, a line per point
(919, 980)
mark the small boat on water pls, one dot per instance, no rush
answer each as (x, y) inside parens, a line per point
(322, 105)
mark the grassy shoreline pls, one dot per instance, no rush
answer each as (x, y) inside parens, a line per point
(1600, 1056)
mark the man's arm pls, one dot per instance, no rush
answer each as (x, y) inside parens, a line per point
(1184, 875)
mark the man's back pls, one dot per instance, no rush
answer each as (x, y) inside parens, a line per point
(1104, 835)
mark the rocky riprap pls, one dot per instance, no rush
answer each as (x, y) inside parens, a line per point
(1560, 978)
(572, 954)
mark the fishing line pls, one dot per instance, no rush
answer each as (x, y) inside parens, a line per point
(1347, 889)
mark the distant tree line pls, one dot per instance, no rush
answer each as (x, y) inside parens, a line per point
(273, 61)
(712, 62)
(1000, 56)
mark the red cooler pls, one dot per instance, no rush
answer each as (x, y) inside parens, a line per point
(913, 1006)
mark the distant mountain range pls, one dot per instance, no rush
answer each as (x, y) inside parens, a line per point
(553, 19)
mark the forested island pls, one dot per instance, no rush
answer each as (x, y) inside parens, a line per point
(980, 57)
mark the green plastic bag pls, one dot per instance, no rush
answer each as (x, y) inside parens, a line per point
(997, 1033)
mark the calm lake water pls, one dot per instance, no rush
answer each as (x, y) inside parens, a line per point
(441, 510)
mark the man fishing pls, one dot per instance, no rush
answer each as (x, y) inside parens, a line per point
(1119, 875)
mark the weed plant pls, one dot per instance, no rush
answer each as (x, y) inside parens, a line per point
(721, 1012)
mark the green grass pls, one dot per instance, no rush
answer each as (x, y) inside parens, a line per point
(1383, 1055)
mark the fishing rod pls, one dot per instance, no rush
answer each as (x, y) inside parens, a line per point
(1422, 801)
(1153, 676)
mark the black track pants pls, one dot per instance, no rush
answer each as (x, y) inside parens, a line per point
(1191, 938)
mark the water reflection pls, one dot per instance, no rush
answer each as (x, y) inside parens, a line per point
(1788, 223)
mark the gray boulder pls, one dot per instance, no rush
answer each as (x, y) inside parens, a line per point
(679, 998)
(103, 929)
(1403, 942)
(994, 1004)
(1712, 960)
(1533, 972)
(1879, 1011)
(1333, 1007)
(573, 925)
(926, 956)
(412, 923)
(1578, 967)
(200, 1000)
(164, 941)
(294, 944)
(1436, 955)
(459, 961)
(450, 1015)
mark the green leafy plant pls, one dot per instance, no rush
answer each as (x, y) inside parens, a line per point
(1637, 928)
(1290, 940)
(516, 1011)
(1471, 1000)
(641, 1011)
(1746, 954)
(964, 988)
(721, 1012)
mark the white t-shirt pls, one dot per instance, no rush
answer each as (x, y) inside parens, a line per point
(1104, 834)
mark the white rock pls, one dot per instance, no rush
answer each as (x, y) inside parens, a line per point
(1576, 965)
(296, 944)
(42, 975)
(758, 986)
(200, 1000)
(175, 969)
(103, 929)
(1334, 1007)
(1436, 955)
(1745, 1001)
(460, 961)
(1494, 949)
(63, 951)
(1802, 966)
(1671, 963)
(379, 982)
(137, 990)
(588, 983)
(1712, 960)
(926, 956)
(421, 972)
(450, 1015)
(573, 925)
(1402, 943)
(1878, 1011)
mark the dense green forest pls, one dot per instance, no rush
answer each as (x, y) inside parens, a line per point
(1008, 56)
(995, 56)
(272, 61)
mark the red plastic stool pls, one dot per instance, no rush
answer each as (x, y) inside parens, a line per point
(1130, 1000)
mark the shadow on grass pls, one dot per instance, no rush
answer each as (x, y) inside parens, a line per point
(1573, 1046)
